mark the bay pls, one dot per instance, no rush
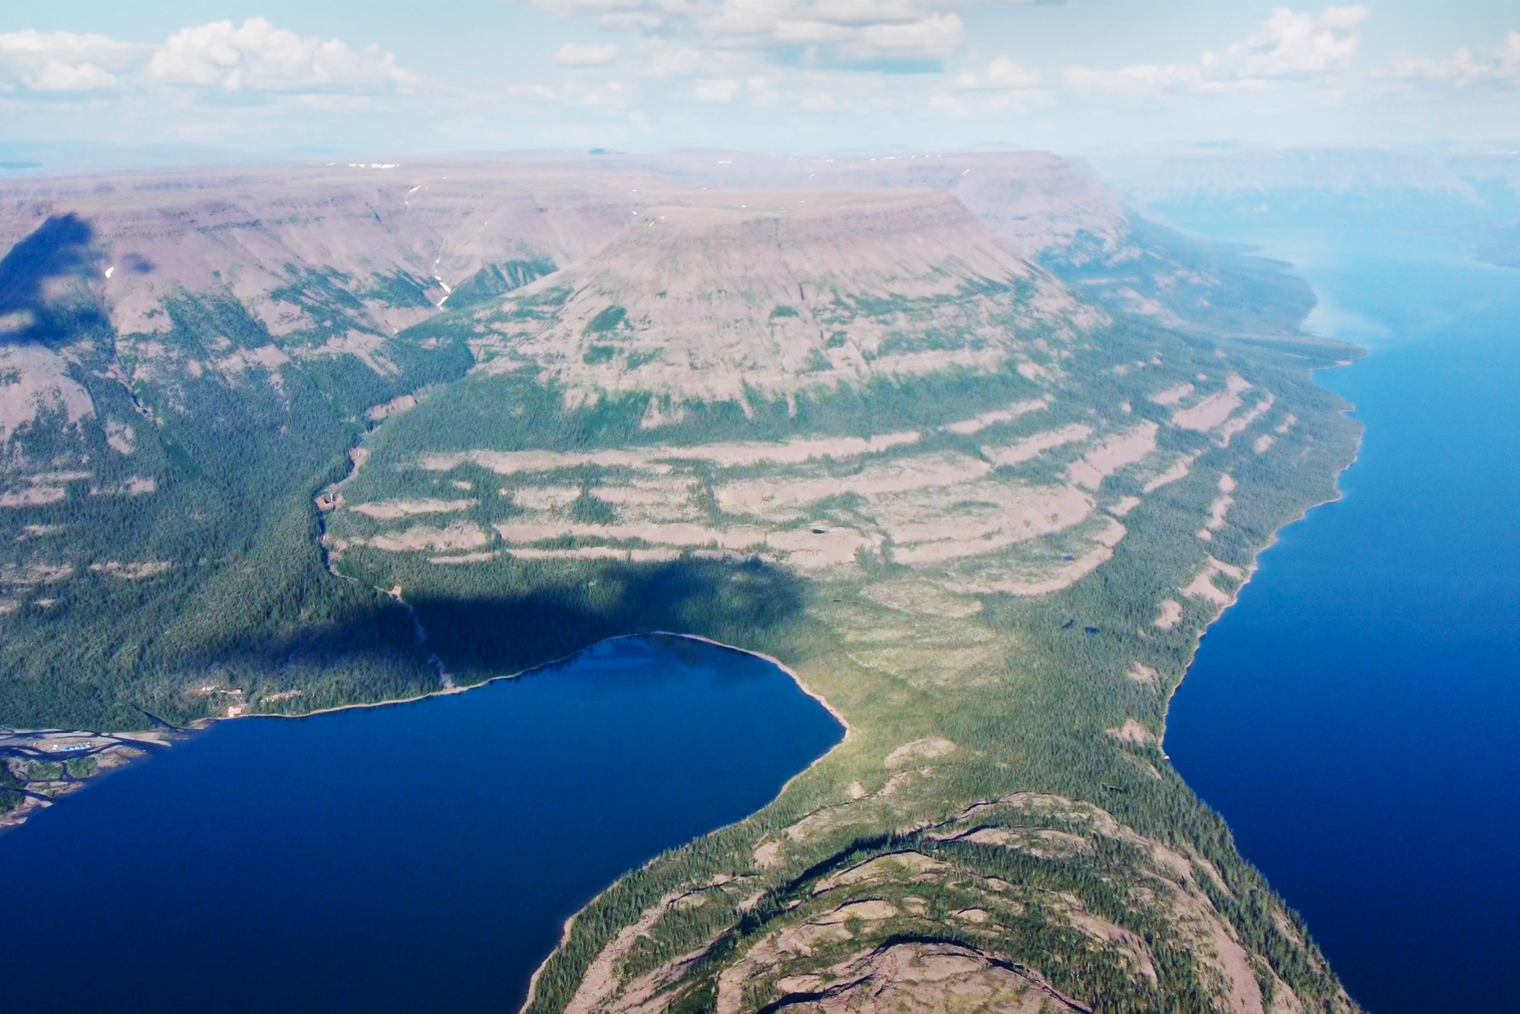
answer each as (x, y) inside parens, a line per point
(411, 857)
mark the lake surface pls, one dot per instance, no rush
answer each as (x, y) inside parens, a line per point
(416, 857)
(1354, 716)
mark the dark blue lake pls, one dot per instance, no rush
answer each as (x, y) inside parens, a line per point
(1354, 717)
(416, 857)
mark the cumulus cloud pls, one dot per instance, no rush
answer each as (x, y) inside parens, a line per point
(258, 56)
(662, 58)
(880, 34)
(722, 89)
(1462, 67)
(575, 92)
(64, 61)
(1002, 86)
(1002, 74)
(253, 56)
(1288, 45)
(573, 55)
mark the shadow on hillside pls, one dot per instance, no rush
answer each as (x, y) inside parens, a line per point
(498, 621)
(59, 249)
(489, 635)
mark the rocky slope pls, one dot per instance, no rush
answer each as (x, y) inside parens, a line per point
(743, 291)
(1051, 210)
(394, 243)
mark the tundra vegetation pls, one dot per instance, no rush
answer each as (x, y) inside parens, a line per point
(981, 491)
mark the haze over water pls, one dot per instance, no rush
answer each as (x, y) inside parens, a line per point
(416, 857)
(1353, 716)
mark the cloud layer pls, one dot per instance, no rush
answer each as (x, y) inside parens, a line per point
(64, 61)
(859, 34)
(1462, 68)
(1289, 45)
(775, 73)
(253, 56)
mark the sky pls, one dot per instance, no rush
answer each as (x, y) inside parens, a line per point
(382, 79)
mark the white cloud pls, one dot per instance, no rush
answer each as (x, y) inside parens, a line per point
(253, 56)
(573, 55)
(661, 58)
(762, 89)
(574, 92)
(328, 102)
(1136, 80)
(721, 89)
(531, 92)
(1294, 45)
(1462, 68)
(258, 56)
(1002, 87)
(1288, 45)
(64, 61)
(1002, 74)
(905, 34)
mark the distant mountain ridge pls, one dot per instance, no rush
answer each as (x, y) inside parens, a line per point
(1469, 194)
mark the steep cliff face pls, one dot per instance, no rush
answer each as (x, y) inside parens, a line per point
(178, 290)
(183, 361)
(389, 247)
(1054, 211)
(1034, 201)
(709, 316)
(773, 294)
(181, 290)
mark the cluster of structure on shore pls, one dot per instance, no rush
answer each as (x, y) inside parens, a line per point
(40, 765)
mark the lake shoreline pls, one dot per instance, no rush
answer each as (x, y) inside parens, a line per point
(1340, 495)
(569, 924)
(666, 739)
(32, 803)
(1364, 686)
(1251, 573)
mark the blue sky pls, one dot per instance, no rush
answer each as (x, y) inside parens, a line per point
(381, 78)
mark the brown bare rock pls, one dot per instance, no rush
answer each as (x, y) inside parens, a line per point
(1133, 733)
(911, 978)
(778, 293)
(35, 380)
(235, 233)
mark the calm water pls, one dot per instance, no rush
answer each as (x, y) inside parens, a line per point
(1354, 716)
(419, 857)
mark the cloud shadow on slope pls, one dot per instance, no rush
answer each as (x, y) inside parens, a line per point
(482, 635)
(503, 619)
(59, 250)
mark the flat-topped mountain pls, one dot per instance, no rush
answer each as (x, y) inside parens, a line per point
(772, 293)
(1052, 210)
(386, 247)
(1035, 202)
